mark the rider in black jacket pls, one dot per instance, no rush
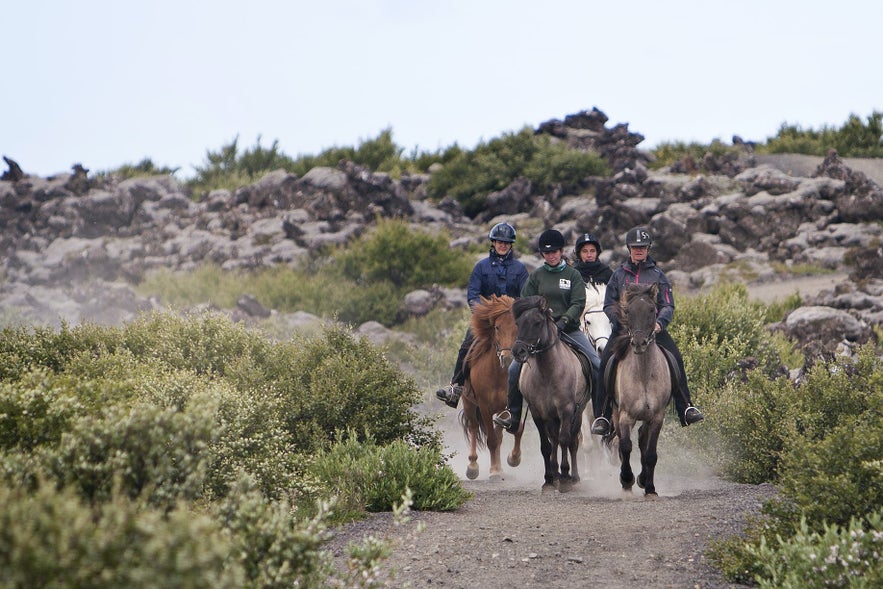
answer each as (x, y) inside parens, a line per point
(640, 268)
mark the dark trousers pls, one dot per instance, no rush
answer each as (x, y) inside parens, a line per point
(460, 367)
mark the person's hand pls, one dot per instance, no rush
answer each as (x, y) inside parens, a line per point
(657, 328)
(561, 324)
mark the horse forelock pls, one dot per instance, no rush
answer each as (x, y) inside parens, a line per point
(526, 303)
(484, 317)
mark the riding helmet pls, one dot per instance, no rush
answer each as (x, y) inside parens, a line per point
(638, 236)
(502, 232)
(551, 240)
(583, 240)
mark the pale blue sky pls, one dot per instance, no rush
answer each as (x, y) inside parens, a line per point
(109, 82)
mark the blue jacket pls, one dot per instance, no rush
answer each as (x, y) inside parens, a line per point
(494, 275)
(645, 273)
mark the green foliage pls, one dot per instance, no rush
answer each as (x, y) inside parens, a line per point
(407, 258)
(667, 153)
(492, 166)
(853, 139)
(144, 168)
(365, 282)
(50, 538)
(837, 556)
(717, 330)
(369, 477)
(151, 419)
(229, 169)
(822, 442)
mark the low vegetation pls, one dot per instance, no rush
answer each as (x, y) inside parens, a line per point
(189, 451)
(854, 138)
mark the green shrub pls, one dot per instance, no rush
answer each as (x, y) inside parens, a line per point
(853, 139)
(492, 166)
(838, 556)
(144, 168)
(667, 153)
(51, 538)
(338, 382)
(273, 545)
(162, 454)
(407, 258)
(368, 477)
(717, 330)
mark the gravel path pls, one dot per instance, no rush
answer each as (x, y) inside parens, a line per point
(513, 535)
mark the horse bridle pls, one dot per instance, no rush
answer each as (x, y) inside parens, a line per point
(651, 337)
(501, 352)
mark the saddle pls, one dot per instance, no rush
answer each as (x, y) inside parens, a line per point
(588, 369)
(673, 369)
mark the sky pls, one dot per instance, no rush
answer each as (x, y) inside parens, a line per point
(105, 83)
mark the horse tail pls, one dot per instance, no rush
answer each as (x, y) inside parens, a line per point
(481, 438)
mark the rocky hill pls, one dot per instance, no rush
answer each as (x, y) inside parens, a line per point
(73, 245)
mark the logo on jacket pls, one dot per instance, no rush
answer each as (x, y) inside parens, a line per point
(564, 284)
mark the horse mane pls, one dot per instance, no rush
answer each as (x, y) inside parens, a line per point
(523, 304)
(620, 343)
(482, 322)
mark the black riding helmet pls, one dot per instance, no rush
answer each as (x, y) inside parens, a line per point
(638, 236)
(583, 240)
(550, 240)
(502, 232)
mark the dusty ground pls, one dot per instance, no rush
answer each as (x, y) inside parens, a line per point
(514, 535)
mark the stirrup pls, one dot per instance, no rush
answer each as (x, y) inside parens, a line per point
(692, 415)
(507, 421)
(450, 394)
(601, 426)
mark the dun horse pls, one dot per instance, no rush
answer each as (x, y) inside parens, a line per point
(642, 385)
(484, 392)
(554, 387)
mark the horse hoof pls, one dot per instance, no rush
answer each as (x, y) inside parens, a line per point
(495, 477)
(472, 473)
(548, 487)
(513, 461)
(565, 486)
(651, 496)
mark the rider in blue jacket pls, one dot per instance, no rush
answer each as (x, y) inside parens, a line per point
(498, 274)
(640, 268)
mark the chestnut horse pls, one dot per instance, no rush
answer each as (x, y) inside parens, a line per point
(484, 392)
(642, 384)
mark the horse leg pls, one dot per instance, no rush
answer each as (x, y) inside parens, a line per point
(648, 436)
(514, 458)
(626, 476)
(472, 434)
(493, 441)
(547, 449)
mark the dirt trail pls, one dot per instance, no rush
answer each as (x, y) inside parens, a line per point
(513, 535)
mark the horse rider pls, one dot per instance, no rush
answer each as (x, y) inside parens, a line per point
(498, 274)
(585, 253)
(565, 292)
(640, 268)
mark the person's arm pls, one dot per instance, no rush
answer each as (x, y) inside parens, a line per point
(473, 288)
(665, 301)
(577, 299)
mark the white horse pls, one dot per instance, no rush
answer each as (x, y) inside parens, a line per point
(595, 323)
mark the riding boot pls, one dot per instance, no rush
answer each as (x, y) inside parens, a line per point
(450, 394)
(601, 406)
(510, 418)
(687, 414)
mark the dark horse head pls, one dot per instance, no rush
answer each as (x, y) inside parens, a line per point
(536, 328)
(637, 317)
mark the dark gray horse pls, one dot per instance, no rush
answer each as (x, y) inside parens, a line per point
(554, 387)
